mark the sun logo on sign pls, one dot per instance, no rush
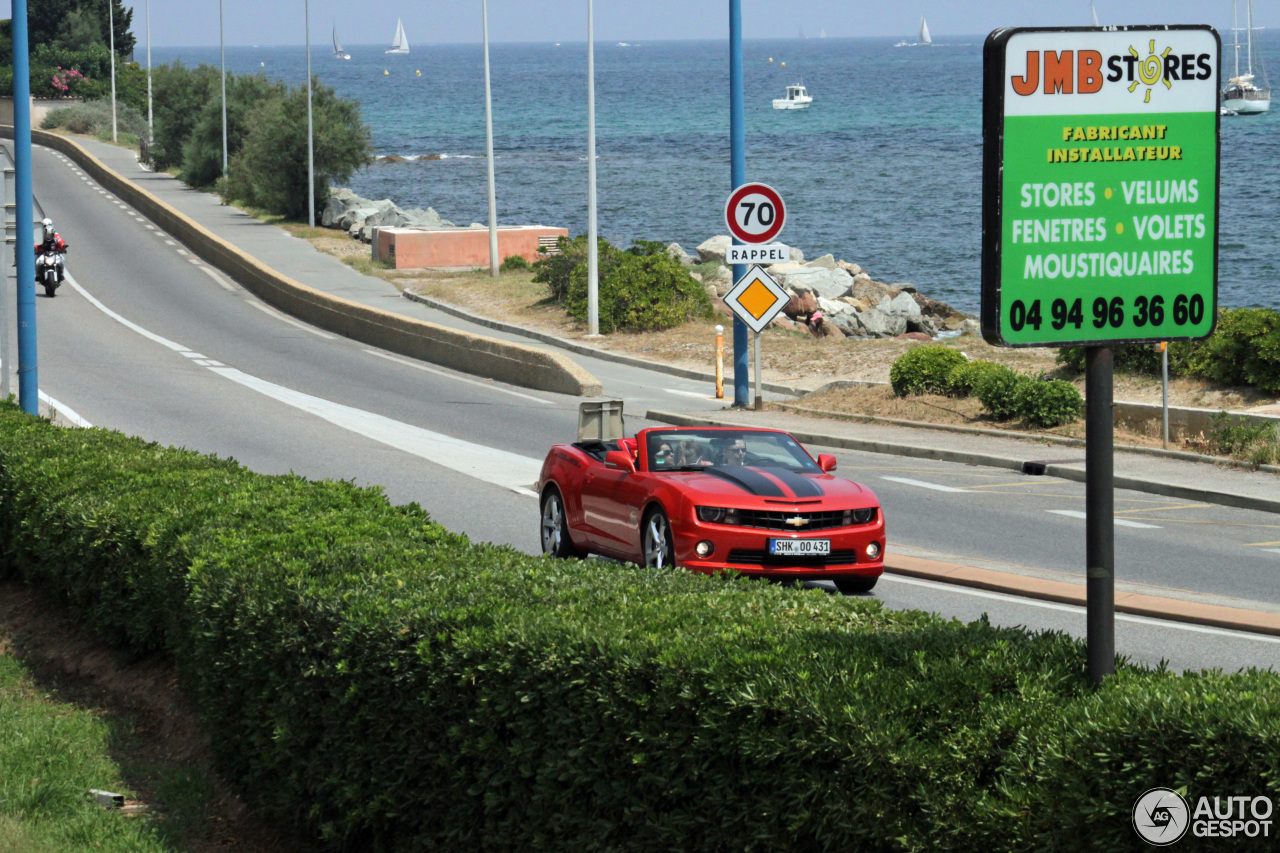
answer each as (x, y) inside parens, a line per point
(1150, 69)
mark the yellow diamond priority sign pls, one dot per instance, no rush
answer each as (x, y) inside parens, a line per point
(756, 298)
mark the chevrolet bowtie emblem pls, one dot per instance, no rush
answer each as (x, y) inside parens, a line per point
(797, 521)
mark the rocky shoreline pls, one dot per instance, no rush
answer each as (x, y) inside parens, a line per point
(850, 302)
(846, 298)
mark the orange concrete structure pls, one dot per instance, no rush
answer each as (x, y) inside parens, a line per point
(413, 248)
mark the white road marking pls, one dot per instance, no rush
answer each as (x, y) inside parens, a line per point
(195, 261)
(499, 467)
(292, 322)
(1074, 608)
(922, 484)
(170, 242)
(1122, 522)
(695, 394)
(225, 285)
(489, 385)
(64, 410)
(1272, 550)
(183, 252)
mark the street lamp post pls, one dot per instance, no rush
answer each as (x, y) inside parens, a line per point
(311, 154)
(222, 44)
(111, 25)
(593, 262)
(488, 140)
(151, 122)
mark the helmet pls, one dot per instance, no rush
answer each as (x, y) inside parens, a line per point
(47, 223)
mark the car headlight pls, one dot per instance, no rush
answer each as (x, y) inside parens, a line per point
(719, 515)
(859, 516)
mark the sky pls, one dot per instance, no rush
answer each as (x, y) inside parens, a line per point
(183, 23)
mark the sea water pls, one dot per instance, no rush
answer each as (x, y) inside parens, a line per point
(884, 169)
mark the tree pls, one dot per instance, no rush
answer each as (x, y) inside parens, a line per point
(270, 171)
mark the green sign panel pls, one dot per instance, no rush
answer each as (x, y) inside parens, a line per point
(1100, 208)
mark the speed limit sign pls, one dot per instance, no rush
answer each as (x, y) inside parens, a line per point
(755, 213)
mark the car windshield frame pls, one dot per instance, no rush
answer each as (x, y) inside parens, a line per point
(695, 449)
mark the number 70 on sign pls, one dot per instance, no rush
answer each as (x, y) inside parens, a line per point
(755, 213)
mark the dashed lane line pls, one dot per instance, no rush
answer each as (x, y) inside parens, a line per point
(423, 367)
(292, 322)
(1122, 522)
(922, 484)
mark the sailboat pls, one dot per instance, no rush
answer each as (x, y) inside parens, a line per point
(401, 42)
(925, 40)
(1243, 96)
(1093, 10)
(338, 52)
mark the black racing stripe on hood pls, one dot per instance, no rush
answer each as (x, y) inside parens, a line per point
(802, 486)
(750, 481)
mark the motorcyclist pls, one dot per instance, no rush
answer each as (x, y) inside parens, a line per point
(52, 243)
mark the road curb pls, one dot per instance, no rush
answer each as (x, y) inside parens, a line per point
(1154, 487)
(469, 353)
(1134, 604)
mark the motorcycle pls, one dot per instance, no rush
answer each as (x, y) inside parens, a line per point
(50, 271)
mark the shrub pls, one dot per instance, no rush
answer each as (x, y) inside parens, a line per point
(1243, 350)
(1048, 404)
(1257, 442)
(924, 370)
(997, 389)
(1141, 359)
(965, 377)
(94, 117)
(639, 293)
(557, 271)
(270, 170)
(516, 262)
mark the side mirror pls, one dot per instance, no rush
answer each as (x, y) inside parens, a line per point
(620, 459)
(826, 462)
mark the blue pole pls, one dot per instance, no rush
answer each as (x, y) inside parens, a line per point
(738, 177)
(24, 248)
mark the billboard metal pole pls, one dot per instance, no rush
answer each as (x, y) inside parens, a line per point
(311, 134)
(494, 260)
(738, 177)
(1100, 526)
(593, 260)
(28, 387)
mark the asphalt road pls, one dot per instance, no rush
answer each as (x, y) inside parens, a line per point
(150, 340)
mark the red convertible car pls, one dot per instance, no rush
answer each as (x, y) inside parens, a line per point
(709, 499)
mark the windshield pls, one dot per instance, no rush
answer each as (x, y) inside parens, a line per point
(694, 449)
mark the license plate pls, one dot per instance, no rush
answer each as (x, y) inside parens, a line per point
(799, 547)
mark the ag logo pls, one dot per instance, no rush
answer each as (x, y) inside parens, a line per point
(1161, 817)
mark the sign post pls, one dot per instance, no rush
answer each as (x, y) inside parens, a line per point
(1100, 221)
(756, 299)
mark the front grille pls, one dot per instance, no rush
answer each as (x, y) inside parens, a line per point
(772, 520)
(748, 557)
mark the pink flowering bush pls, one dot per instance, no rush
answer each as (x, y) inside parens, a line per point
(64, 79)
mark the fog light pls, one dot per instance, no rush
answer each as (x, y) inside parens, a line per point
(873, 550)
(704, 548)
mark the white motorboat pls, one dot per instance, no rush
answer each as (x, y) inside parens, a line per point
(401, 43)
(338, 52)
(798, 98)
(1246, 94)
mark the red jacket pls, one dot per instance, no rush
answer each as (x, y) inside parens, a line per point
(59, 244)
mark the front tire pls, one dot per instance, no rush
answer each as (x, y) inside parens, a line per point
(555, 527)
(658, 547)
(856, 585)
(50, 286)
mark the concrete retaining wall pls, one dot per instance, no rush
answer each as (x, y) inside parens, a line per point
(40, 108)
(475, 354)
(1183, 422)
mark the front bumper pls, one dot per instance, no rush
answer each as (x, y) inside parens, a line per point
(745, 550)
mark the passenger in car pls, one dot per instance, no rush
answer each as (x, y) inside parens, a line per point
(690, 452)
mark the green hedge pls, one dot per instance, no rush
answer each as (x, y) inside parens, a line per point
(379, 683)
(925, 370)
